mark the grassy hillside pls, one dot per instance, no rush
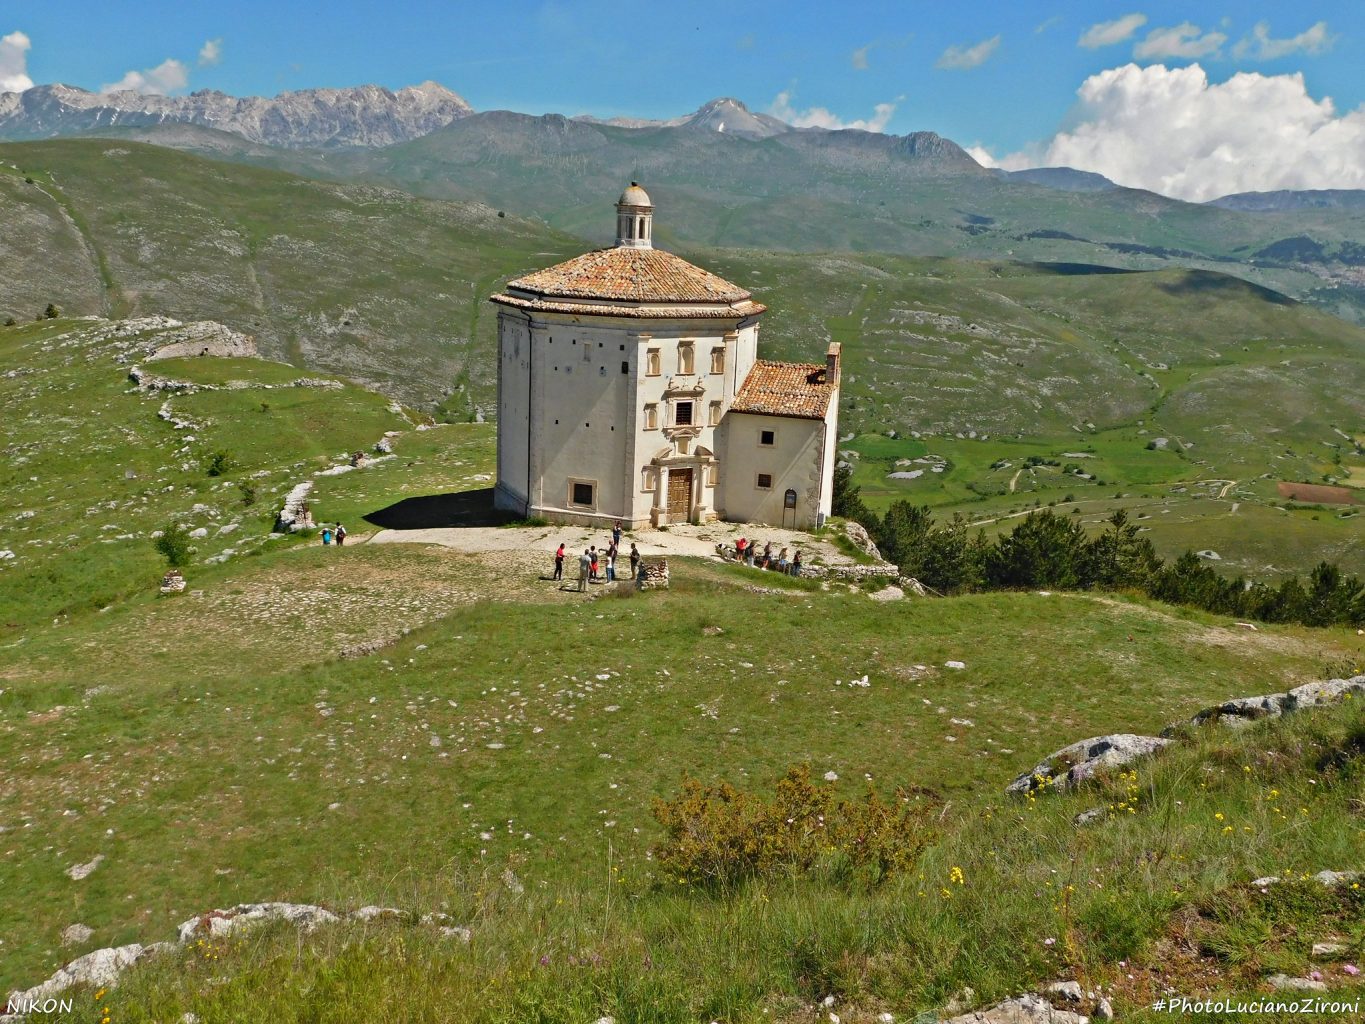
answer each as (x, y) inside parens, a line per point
(357, 280)
(977, 365)
(361, 726)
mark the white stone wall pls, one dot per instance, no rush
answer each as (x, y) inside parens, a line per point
(793, 461)
(583, 419)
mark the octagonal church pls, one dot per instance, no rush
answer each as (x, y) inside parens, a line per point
(630, 388)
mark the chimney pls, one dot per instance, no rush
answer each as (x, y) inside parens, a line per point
(832, 363)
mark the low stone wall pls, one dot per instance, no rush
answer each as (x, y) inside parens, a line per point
(653, 575)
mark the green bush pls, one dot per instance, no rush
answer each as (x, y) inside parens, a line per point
(220, 464)
(174, 545)
(718, 835)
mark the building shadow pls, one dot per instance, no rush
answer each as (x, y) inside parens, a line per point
(434, 511)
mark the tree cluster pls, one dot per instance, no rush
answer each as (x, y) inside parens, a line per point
(1048, 550)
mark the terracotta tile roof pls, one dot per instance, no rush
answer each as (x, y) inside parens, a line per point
(658, 312)
(629, 275)
(785, 389)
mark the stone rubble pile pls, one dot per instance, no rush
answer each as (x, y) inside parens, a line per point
(653, 575)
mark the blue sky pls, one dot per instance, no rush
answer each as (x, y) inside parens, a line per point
(1000, 75)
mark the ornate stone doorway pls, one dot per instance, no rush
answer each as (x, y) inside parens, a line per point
(679, 495)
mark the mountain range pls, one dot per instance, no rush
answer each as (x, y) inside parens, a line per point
(727, 176)
(367, 115)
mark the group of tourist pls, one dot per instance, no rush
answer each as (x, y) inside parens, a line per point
(596, 564)
(747, 551)
(329, 534)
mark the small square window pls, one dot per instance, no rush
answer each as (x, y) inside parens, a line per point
(767, 438)
(682, 414)
(765, 481)
(582, 494)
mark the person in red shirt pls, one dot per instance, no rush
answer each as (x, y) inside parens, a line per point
(559, 563)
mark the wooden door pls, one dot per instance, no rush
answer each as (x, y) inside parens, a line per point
(679, 495)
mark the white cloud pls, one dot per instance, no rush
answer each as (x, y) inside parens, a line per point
(166, 77)
(1185, 40)
(964, 58)
(1107, 33)
(1172, 131)
(859, 57)
(820, 117)
(982, 156)
(210, 53)
(14, 62)
(1312, 40)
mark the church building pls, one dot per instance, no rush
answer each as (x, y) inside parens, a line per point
(630, 388)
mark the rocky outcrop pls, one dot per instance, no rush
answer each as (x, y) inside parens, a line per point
(861, 540)
(1248, 709)
(1025, 1009)
(203, 338)
(1064, 769)
(103, 967)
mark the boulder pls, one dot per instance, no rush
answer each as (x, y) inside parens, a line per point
(99, 969)
(218, 923)
(861, 540)
(1025, 1009)
(1329, 691)
(1242, 710)
(892, 593)
(75, 934)
(1070, 766)
(1283, 982)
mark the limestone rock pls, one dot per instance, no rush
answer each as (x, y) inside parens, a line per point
(861, 540)
(892, 593)
(75, 934)
(1330, 691)
(1025, 1009)
(1072, 765)
(1069, 990)
(100, 968)
(247, 915)
(1283, 982)
(374, 913)
(78, 871)
(1328, 949)
(1089, 817)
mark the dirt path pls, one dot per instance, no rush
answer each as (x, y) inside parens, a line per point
(1226, 488)
(676, 540)
(1015, 479)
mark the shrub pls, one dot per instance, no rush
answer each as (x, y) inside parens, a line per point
(10, 321)
(248, 493)
(52, 312)
(174, 544)
(220, 463)
(718, 835)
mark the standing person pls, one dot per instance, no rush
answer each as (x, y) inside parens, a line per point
(634, 561)
(749, 554)
(739, 549)
(782, 561)
(584, 566)
(326, 536)
(341, 535)
(796, 563)
(767, 554)
(611, 565)
(559, 563)
(592, 561)
(616, 535)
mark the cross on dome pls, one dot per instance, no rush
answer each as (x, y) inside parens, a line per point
(635, 218)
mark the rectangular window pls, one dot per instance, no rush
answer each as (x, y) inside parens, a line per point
(713, 416)
(765, 481)
(652, 362)
(685, 358)
(718, 360)
(581, 493)
(766, 438)
(625, 366)
(651, 417)
(682, 414)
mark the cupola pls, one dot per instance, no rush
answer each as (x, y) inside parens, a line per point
(635, 218)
